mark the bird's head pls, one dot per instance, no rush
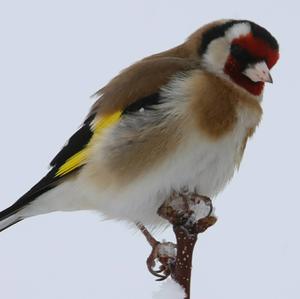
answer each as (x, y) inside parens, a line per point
(238, 50)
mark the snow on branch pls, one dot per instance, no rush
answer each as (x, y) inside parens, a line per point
(169, 289)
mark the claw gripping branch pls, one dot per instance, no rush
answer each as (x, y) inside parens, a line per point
(190, 214)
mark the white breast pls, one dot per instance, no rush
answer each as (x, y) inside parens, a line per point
(198, 163)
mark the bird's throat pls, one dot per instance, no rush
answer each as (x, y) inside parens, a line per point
(255, 88)
(235, 72)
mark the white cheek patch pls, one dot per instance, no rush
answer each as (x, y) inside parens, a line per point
(240, 29)
(218, 50)
(216, 55)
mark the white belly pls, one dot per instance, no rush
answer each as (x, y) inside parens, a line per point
(199, 164)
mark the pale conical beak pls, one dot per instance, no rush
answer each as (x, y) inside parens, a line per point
(258, 72)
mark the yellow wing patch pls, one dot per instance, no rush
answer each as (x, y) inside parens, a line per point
(81, 157)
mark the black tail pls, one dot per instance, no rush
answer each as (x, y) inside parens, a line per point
(9, 217)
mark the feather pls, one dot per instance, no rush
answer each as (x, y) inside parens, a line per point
(80, 157)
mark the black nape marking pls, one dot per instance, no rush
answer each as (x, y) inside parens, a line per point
(213, 33)
(75, 144)
(146, 103)
(219, 31)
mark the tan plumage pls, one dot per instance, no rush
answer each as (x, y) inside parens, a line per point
(148, 75)
(180, 118)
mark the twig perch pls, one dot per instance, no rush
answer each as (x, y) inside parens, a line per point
(190, 214)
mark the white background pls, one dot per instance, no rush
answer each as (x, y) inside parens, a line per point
(53, 56)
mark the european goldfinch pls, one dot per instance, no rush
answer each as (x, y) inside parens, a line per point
(177, 119)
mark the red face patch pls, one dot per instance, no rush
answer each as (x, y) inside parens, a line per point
(258, 48)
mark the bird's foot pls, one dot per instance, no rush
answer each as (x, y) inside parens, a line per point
(190, 214)
(163, 252)
(189, 210)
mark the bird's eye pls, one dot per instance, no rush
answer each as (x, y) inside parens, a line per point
(237, 51)
(235, 48)
(241, 54)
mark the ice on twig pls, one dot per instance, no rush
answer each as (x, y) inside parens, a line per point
(200, 210)
(170, 289)
(190, 205)
(167, 249)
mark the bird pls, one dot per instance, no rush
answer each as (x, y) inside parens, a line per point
(176, 119)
